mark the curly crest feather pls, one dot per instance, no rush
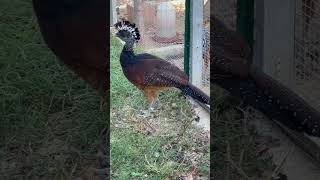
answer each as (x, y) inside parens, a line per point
(125, 25)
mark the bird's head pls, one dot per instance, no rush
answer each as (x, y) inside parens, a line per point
(127, 32)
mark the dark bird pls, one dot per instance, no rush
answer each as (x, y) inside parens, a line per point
(149, 73)
(233, 71)
(76, 33)
(231, 52)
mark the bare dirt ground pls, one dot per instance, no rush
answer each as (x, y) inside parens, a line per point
(289, 158)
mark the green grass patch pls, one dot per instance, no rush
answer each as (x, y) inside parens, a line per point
(155, 148)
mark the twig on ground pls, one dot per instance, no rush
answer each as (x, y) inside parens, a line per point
(240, 171)
(278, 168)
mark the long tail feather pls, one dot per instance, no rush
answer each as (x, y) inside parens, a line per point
(195, 93)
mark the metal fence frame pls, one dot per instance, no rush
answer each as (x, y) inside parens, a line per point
(277, 35)
(283, 44)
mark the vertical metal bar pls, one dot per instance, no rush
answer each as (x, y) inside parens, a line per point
(278, 40)
(113, 12)
(187, 37)
(196, 50)
(245, 19)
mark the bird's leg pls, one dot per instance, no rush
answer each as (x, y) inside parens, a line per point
(158, 102)
(155, 102)
(147, 113)
(151, 96)
(151, 106)
(152, 100)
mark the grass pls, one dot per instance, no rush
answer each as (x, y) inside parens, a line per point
(50, 120)
(168, 145)
(235, 143)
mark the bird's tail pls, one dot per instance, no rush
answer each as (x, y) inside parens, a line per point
(195, 93)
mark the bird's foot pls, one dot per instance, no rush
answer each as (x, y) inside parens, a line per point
(145, 114)
(152, 110)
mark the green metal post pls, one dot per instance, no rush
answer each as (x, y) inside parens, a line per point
(245, 19)
(187, 38)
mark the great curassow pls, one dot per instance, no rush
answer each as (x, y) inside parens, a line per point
(76, 32)
(149, 73)
(233, 71)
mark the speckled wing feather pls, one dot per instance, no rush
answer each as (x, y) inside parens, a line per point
(166, 75)
(258, 89)
(156, 72)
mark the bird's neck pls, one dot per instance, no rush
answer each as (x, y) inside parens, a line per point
(127, 55)
(128, 46)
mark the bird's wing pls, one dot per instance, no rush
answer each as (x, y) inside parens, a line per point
(158, 72)
(146, 56)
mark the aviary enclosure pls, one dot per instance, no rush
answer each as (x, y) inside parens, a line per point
(163, 27)
(285, 41)
(172, 141)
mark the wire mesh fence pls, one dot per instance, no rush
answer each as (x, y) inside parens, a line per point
(206, 48)
(295, 63)
(162, 27)
(161, 24)
(307, 51)
(305, 80)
